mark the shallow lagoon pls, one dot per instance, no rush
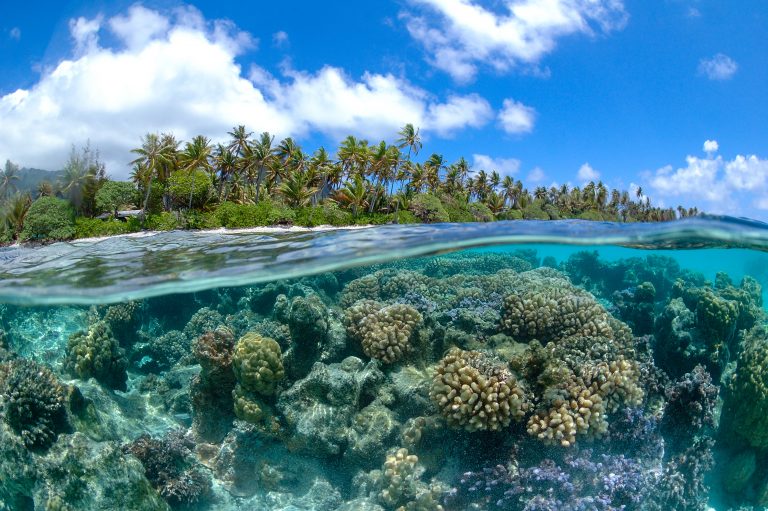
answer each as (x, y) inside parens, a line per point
(557, 365)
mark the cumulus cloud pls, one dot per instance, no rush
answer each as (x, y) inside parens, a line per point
(178, 72)
(459, 35)
(536, 176)
(587, 173)
(15, 33)
(715, 184)
(516, 118)
(719, 67)
(280, 39)
(711, 146)
(504, 166)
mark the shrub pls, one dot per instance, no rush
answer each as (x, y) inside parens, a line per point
(534, 212)
(310, 216)
(511, 214)
(182, 182)
(457, 208)
(95, 227)
(165, 221)
(114, 194)
(49, 218)
(428, 209)
(590, 214)
(266, 212)
(200, 220)
(336, 216)
(480, 212)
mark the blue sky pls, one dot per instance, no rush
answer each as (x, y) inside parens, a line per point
(549, 91)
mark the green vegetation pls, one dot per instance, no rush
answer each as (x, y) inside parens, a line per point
(49, 218)
(251, 181)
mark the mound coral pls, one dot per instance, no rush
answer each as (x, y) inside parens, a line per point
(32, 402)
(96, 353)
(400, 485)
(745, 410)
(258, 366)
(477, 392)
(211, 390)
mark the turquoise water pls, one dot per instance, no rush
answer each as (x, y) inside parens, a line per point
(514, 365)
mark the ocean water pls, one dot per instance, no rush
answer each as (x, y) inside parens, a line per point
(506, 366)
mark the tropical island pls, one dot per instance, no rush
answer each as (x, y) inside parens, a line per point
(252, 181)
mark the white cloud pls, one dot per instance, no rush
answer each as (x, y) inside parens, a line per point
(587, 173)
(458, 35)
(504, 166)
(711, 146)
(177, 72)
(280, 39)
(714, 184)
(15, 33)
(536, 176)
(719, 67)
(516, 118)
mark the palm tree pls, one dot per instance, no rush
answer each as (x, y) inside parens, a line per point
(410, 138)
(296, 189)
(259, 156)
(354, 194)
(8, 178)
(196, 156)
(14, 212)
(79, 172)
(155, 157)
(227, 162)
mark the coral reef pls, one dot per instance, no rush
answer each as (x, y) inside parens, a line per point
(745, 411)
(385, 332)
(96, 354)
(468, 381)
(211, 390)
(554, 313)
(32, 402)
(475, 392)
(258, 366)
(168, 466)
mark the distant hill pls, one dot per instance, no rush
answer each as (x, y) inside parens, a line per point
(30, 178)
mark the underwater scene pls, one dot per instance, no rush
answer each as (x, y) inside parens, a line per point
(509, 366)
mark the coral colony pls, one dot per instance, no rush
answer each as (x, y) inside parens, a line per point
(472, 381)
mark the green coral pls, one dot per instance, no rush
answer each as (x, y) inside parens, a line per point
(97, 354)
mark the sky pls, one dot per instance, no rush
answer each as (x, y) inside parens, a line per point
(668, 95)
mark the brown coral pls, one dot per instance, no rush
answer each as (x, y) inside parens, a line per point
(258, 364)
(553, 314)
(477, 392)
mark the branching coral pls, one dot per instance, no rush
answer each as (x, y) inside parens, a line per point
(554, 313)
(401, 485)
(32, 402)
(96, 353)
(477, 392)
(385, 332)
